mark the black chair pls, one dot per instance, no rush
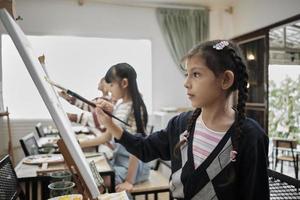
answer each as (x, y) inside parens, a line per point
(40, 129)
(29, 145)
(283, 186)
(9, 185)
(44, 132)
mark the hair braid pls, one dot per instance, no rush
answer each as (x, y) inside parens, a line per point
(241, 86)
(189, 129)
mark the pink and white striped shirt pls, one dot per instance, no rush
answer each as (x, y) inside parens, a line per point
(204, 142)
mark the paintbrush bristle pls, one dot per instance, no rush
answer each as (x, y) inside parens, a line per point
(55, 84)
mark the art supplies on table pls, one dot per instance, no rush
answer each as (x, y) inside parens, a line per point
(43, 158)
(115, 196)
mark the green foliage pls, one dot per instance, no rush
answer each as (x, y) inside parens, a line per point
(284, 108)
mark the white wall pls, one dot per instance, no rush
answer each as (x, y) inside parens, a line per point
(250, 15)
(221, 24)
(1, 87)
(77, 63)
(65, 17)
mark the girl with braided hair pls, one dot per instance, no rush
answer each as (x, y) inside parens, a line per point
(216, 152)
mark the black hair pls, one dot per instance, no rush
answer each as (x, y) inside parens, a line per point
(102, 79)
(124, 70)
(219, 56)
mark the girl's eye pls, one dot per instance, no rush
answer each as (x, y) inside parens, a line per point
(186, 74)
(196, 74)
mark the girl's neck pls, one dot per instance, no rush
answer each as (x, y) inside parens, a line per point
(126, 98)
(219, 116)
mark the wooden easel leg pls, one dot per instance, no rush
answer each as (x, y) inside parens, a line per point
(9, 5)
(10, 145)
(78, 179)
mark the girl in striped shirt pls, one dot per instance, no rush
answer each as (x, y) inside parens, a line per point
(216, 152)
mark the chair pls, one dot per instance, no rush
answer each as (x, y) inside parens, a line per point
(149, 129)
(45, 132)
(40, 129)
(286, 146)
(282, 186)
(156, 184)
(9, 185)
(29, 145)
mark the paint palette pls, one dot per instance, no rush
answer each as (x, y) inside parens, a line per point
(43, 158)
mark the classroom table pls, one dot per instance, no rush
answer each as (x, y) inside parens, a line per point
(31, 175)
(81, 136)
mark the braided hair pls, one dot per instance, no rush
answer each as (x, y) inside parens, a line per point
(189, 129)
(220, 56)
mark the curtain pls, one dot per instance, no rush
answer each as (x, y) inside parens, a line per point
(182, 29)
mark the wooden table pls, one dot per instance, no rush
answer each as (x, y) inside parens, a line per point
(29, 174)
(53, 139)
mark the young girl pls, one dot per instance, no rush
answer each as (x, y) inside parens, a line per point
(123, 85)
(215, 151)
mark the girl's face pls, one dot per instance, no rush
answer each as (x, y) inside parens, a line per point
(103, 87)
(117, 92)
(203, 87)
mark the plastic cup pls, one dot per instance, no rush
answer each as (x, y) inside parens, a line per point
(61, 188)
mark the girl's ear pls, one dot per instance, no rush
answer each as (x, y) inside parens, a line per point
(124, 83)
(228, 80)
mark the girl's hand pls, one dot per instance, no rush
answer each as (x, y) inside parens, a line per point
(106, 120)
(64, 95)
(102, 117)
(72, 117)
(105, 105)
(124, 186)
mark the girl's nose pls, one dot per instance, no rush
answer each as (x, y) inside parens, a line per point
(186, 83)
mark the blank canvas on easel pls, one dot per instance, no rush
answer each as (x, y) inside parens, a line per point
(50, 98)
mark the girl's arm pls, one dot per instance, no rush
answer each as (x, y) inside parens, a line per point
(86, 119)
(156, 145)
(252, 168)
(76, 102)
(72, 117)
(103, 138)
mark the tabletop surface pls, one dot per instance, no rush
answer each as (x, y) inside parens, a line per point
(24, 170)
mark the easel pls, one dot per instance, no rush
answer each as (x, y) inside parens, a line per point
(78, 179)
(9, 5)
(10, 146)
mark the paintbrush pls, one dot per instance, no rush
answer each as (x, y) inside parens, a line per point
(77, 96)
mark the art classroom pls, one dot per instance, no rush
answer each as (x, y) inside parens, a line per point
(149, 99)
